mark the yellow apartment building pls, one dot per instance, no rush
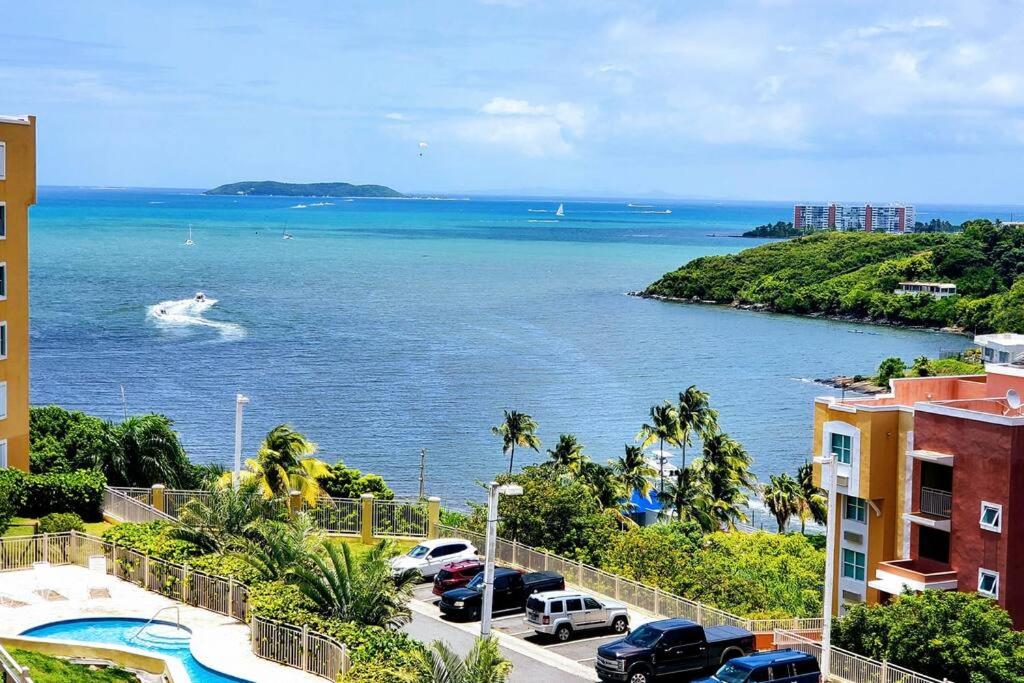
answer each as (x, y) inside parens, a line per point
(17, 194)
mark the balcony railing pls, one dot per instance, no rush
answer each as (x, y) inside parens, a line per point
(936, 502)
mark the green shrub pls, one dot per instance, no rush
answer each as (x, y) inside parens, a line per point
(232, 566)
(12, 493)
(348, 482)
(56, 522)
(655, 555)
(152, 538)
(80, 492)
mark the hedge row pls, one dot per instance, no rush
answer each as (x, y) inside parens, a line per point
(36, 495)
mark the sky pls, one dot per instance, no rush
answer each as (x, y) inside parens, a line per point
(763, 99)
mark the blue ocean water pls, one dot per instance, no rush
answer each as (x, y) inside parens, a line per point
(387, 326)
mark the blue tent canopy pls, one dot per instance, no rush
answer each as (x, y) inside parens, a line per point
(648, 503)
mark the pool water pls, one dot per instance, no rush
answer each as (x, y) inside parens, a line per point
(120, 632)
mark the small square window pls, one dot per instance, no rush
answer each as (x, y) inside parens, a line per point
(988, 583)
(842, 447)
(991, 516)
(854, 565)
(856, 509)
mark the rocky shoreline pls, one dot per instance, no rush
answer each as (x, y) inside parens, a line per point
(857, 384)
(765, 308)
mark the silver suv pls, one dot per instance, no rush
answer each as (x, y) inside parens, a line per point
(562, 613)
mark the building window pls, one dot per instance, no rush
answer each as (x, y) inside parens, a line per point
(988, 583)
(3, 453)
(3, 400)
(3, 160)
(3, 221)
(3, 280)
(842, 447)
(856, 509)
(991, 516)
(854, 564)
(3, 340)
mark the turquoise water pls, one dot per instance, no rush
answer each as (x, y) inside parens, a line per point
(115, 631)
(386, 326)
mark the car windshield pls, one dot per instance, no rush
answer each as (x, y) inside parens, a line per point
(730, 673)
(477, 582)
(645, 636)
(419, 551)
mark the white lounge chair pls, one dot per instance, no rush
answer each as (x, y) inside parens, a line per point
(99, 582)
(43, 575)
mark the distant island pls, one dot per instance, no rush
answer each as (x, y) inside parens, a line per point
(267, 188)
(777, 229)
(856, 275)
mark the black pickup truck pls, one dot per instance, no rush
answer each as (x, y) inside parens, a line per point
(511, 589)
(671, 649)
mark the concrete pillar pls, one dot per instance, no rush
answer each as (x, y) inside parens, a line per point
(366, 519)
(294, 503)
(158, 498)
(433, 517)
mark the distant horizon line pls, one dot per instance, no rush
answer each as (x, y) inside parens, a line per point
(552, 196)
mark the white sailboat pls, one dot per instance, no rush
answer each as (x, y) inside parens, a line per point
(561, 210)
(284, 234)
(189, 242)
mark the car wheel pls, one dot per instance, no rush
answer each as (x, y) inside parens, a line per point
(640, 676)
(563, 633)
(474, 615)
(620, 625)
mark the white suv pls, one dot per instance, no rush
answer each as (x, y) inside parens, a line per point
(562, 613)
(430, 556)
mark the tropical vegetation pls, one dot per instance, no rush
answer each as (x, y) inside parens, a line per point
(44, 668)
(483, 664)
(284, 463)
(957, 636)
(964, 363)
(855, 274)
(517, 429)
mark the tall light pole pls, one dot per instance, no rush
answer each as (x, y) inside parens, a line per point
(493, 491)
(236, 477)
(831, 531)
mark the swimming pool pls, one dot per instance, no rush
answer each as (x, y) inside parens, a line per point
(117, 631)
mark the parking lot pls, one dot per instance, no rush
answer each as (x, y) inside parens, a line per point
(581, 649)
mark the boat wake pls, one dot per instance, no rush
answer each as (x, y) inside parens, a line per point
(306, 206)
(542, 220)
(183, 314)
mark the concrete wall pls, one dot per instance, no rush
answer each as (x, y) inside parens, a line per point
(18, 191)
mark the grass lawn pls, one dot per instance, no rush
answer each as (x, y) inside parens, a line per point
(26, 526)
(358, 549)
(45, 669)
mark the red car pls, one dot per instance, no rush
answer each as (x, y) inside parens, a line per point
(456, 575)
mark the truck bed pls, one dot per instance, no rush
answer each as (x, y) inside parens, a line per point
(718, 634)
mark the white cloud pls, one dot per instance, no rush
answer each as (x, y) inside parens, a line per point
(506, 106)
(532, 129)
(905, 64)
(396, 116)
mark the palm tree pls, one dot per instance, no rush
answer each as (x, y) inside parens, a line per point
(276, 548)
(483, 664)
(695, 417)
(633, 471)
(364, 591)
(782, 498)
(517, 429)
(689, 497)
(285, 463)
(219, 521)
(813, 500)
(567, 453)
(601, 482)
(724, 468)
(145, 451)
(664, 428)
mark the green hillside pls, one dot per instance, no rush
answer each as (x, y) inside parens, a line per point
(853, 274)
(274, 188)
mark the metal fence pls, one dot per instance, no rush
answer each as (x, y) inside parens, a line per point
(319, 654)
(399, 518)
(847, 666)
(143, 495)
(14, 672)
(175, 499)
(337, 515)
(936, 502)
(126, 508)
(298, 648)
(647, 598)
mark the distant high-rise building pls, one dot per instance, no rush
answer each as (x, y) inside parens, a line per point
(891, 218)
(17, 193)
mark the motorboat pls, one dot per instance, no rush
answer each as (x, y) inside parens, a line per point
(200, 296)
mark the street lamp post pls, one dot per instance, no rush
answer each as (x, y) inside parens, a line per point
(831, 531)
(236, 477)
(493, 491)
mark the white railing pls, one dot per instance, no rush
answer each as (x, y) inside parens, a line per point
(143, 495)
(175, 499)
(15, 673)
(298, 648)
(936, 502)
(337, 515)
(647, 598)
(399, 518)
(128, 509)
(848, 666)
(318, 654)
